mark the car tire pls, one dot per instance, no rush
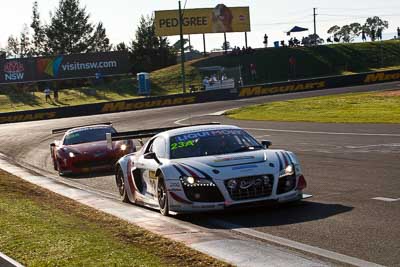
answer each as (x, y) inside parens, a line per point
(162, 196)
(56, 165)
(119, 180)
(58, 168)
(53, 158)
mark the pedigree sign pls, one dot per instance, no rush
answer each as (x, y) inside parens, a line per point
(203, 20)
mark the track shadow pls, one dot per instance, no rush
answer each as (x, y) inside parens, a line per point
(89, 175)
(60, 103)
(273, 215)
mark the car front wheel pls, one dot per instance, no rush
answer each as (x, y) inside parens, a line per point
(119, 179)
(162, 196)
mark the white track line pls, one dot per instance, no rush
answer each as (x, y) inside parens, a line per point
(386, 199)
(329, 133)
(180, 122)
(378, 145)
(296, 245)
(7, 261)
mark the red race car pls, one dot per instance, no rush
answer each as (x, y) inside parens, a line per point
(84, 149)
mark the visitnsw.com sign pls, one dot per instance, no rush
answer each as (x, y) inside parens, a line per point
(203, 20)
(63, 67)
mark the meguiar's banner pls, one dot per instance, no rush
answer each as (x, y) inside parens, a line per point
(203, 20)
(61, 67)
(202, 97)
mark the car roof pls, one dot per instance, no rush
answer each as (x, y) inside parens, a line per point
(91, 127)
(191, 129)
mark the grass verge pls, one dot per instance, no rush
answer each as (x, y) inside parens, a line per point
(376, 107)
(40, 228)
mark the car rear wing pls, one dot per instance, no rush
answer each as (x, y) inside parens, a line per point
(61, 130)
(147, 133)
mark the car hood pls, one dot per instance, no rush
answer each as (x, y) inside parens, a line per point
(90, 148)
(221, 166)
(233, 159)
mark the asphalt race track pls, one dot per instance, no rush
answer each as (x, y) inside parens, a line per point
(352, 171)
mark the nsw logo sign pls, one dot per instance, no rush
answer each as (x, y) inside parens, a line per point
(14, 71)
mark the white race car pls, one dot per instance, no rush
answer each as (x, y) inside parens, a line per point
(205, 168)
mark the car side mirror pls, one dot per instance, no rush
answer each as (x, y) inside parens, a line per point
(266, 143)
(109, 141)
(152, 155)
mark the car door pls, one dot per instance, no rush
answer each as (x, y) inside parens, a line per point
(147, 167)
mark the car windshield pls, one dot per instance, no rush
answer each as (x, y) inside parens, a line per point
(87, 135)
(213, 142)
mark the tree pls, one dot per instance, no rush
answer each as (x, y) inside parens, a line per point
(347, 33)
(333, 30)
(121, 47)
(177, 45)
(99, 40)
(39, 35)
(149, 52)
(69, 30)
(226, 45)
(314, 39)
(24, 43)
(356, 28)
(12, 48)
(373, 25)
(3, 53)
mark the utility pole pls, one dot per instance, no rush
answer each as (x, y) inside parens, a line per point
(204, 44)
(315, 27)
(225, 44)
(182, 49)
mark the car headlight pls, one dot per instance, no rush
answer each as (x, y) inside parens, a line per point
(289, 170)
(71, 154)
(123, 147)
(190, 181)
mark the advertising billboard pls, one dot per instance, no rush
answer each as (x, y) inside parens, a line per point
(203, 20)
(63, 67)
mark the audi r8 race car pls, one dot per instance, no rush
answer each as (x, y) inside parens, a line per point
(83, 149)
(205, 168)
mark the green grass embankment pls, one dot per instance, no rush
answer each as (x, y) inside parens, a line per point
(376, 107)
(272, 64)
(40, 228)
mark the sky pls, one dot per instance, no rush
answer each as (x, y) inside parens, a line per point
(121, 17)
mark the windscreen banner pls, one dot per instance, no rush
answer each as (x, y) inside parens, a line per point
(63, 67)
(203, 20)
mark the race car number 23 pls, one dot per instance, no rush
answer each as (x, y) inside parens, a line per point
(178, 145)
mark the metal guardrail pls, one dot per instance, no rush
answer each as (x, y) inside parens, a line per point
(202, 97)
